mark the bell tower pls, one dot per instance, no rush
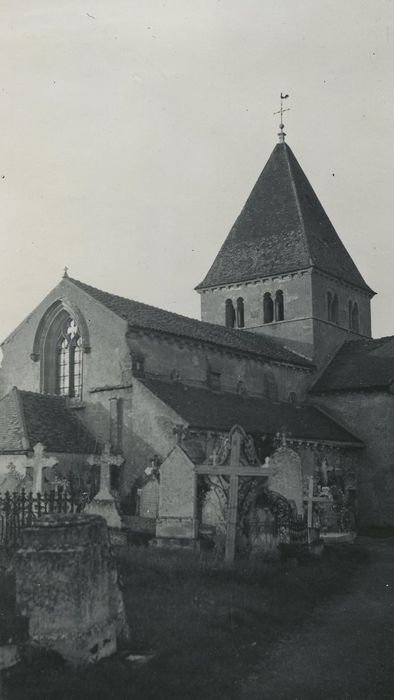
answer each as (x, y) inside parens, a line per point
(283, 270)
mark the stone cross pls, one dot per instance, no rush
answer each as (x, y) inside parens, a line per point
(234, 470)
(105, 461)
(39, 461)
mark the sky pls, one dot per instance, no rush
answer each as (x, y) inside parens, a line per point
(133, 131)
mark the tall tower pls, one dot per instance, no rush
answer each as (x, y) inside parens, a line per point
(283, 270)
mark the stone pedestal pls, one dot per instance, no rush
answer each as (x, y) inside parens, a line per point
(66, 584)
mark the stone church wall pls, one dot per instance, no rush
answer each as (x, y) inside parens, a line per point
(369, 414)
(164, 358)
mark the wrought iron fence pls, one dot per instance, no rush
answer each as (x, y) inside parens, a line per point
(20, 509)
(298, 532)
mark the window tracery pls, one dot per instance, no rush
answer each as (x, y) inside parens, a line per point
(69, 360)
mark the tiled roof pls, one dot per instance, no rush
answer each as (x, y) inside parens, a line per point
(282, 227)
(27, 418)
(210, 410)
(148, 317)
(359, 364)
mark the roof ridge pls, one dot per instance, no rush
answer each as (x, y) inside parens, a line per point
(297, 199)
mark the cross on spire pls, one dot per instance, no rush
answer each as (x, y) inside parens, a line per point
(281, 133)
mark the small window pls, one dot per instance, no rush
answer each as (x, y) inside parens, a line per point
(138, 365)
(214, 380)
(279, 308)
(241, 388)
(268, 308)
(350, 310)
(240, 313)
(293, 397)
(230, 314)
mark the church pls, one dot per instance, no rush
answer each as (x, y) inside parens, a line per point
(283, 349)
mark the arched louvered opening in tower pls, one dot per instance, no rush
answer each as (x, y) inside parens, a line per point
(355, 318)
(279, 306)
(240, 313)
(335, 309)
(268, 308)
(329, 306)
(230, 314)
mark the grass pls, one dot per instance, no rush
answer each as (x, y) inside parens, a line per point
(208, 626)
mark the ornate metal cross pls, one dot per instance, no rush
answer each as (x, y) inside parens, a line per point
(281, 111)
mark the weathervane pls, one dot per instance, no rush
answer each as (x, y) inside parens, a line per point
(282, 134)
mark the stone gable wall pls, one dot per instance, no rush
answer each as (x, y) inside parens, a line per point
(103, 365)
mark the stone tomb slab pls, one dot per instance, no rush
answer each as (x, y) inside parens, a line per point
(177, 499)
(285, 476)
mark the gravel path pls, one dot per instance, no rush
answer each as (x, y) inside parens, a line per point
(345, 651)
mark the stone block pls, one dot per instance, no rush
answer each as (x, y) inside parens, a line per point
(177, 502)
(285, 476)
(66, 584)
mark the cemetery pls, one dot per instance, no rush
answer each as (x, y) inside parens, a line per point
(79, 588)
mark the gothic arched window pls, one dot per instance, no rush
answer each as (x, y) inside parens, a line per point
(240, 313)
(69, 360)
(230, 314)
(279, 307)
(268, 308)
(355, 318)
(60, 342)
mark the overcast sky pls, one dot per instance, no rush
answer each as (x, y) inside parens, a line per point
(132, 132)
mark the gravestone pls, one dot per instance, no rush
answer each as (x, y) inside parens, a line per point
(66, 584)
(148, 498)
(177, 499)
(285, 476)
(12, 480)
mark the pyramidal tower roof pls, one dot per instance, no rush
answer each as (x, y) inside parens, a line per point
(282, 228)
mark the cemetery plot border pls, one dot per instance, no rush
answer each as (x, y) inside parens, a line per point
(20, 509)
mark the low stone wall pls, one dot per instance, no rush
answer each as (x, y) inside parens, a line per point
(66, 584)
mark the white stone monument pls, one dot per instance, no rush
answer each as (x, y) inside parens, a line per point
(104, 503)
